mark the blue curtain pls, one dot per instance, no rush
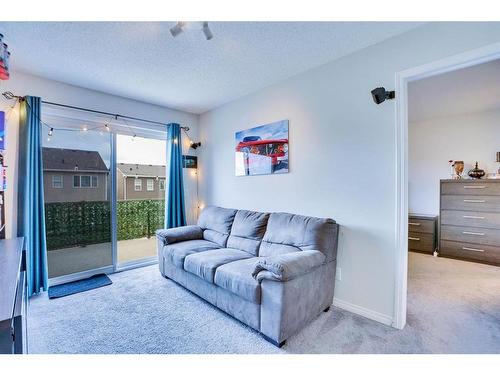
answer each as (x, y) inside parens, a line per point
(31, 210)
(175, 211)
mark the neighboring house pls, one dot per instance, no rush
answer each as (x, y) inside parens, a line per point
(74, 175)
(140, 181)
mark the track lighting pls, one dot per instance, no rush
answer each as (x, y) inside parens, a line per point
(206, 31)
(179, 28)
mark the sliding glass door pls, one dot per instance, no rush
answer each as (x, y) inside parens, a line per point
(85, 215)
(77, 186)
(140, 196)
(104, 189)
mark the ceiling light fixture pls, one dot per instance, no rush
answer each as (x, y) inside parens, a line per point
(206, 31)
(177, 29)
(180, 26)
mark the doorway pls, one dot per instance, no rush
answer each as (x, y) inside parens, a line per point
(140, 197)
(468, 59)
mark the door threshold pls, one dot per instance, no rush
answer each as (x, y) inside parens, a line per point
(136, 264)
(53, 281)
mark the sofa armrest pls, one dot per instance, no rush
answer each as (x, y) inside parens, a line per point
(288, 266)
(173, 235)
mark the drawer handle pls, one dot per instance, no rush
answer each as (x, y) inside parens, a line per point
(472, 249)
(474, 187)
(472, 217)
(474, 201)
(414, 238)
(474, 233)
(416, 224)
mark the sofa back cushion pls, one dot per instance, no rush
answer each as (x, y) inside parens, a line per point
(287, 233)
(247, 231)
(216, 223)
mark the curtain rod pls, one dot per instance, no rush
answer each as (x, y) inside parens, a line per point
(9, 95)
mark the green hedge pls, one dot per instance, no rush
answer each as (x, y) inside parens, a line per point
(72, 224)
(139, 218)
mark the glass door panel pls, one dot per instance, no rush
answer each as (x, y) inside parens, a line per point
(140, 194)
(77, 186)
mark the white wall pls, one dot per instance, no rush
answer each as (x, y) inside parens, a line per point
(25, 84)
(342, 152)
(471, 137)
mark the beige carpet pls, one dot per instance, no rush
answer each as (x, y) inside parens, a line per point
(453, 307)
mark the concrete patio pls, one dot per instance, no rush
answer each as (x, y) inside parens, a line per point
(78, 259)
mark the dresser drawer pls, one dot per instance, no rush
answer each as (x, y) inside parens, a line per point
(470, 188)
(483, 253)
(471, 235)
(421, 225)
(421, 242)
(476, 219)
(476, 203)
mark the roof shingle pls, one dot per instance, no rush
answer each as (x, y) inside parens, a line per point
(141, 170)
(71, 160)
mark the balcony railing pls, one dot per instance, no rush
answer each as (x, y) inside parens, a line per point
(72, 224)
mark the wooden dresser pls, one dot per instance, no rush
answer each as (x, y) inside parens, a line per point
(13, 297)
(422, 233)
(470, 220)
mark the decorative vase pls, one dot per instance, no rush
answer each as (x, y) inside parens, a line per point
(458, 165)
(476, 172)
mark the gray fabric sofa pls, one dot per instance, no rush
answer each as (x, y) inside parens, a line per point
(274, 272)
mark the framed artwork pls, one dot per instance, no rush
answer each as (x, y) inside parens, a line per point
(189, 161)
(262, 150)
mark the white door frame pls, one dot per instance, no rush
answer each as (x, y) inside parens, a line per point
(460, 61)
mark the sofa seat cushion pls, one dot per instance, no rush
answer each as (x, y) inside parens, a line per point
(236, 277)
(177, 252)
(205, 263)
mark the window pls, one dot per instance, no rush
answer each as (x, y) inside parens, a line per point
(137, 184)
(162, 184)
(150, 184)
(85, 181)
(57, 181)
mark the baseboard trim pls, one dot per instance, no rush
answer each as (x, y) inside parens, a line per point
(363, 311)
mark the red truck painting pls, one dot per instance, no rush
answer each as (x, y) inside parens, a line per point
(276, 149)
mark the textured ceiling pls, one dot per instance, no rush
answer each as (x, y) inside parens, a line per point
(468, 90)
(142, 61)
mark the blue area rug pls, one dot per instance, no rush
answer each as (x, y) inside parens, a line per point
(73, 287)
